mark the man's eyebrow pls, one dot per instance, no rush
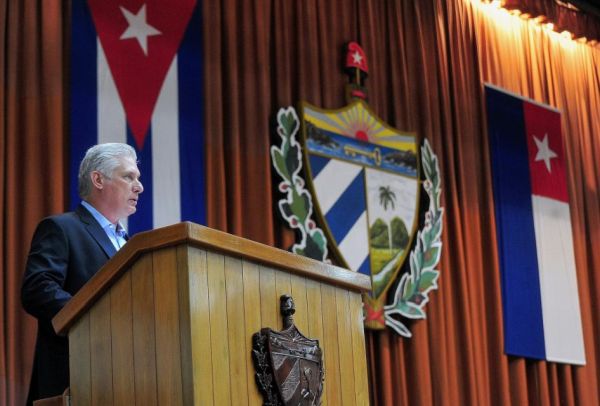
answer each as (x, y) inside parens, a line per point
(132, 173)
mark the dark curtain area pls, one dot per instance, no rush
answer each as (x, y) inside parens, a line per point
(564, 15)
(33, 45)
(428, 61)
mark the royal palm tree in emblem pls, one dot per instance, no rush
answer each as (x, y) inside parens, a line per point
(387, 198)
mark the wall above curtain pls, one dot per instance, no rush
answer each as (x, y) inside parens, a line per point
(580, 18)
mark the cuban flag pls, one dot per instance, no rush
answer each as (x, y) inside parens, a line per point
(540, 299)
(136, 78)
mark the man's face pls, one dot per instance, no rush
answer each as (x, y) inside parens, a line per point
(121, 191)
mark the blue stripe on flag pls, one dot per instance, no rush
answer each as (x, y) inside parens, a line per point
(523, 323)
(191, 123)
(317, 163)
(83, 107)
(142, 219)
(348, 208)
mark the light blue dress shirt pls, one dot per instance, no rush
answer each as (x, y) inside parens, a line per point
(116, 234)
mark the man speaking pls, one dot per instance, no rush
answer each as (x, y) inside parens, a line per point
(68, 249)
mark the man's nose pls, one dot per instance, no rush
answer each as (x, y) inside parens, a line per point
(138, 187)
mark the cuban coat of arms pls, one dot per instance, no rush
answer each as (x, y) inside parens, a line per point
(363, 183)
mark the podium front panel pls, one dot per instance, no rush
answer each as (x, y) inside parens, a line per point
(177, 328)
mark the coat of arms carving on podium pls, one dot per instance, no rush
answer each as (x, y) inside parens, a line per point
(289, 366)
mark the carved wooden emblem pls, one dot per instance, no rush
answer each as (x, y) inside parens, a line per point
(289, 366)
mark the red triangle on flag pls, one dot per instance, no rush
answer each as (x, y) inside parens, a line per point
(140, 39)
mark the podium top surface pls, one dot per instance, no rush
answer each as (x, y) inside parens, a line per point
(202, 237)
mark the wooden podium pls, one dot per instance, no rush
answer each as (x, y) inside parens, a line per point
(169, 321)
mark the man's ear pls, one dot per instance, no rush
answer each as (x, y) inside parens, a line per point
(97, 180)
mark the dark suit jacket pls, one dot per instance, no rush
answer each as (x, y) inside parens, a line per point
(66, 251)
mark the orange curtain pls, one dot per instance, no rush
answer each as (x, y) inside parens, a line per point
(544, 66)
(427, 60)
(455, 356)
(32, 174)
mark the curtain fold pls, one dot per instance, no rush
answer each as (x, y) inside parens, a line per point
(428, 61)
(32, 128)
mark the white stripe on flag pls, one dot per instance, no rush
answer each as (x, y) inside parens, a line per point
(563, 333)
(112, 126)
(165, 153)
(355, 245)
(332, 181)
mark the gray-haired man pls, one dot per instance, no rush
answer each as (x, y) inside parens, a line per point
(68, 249)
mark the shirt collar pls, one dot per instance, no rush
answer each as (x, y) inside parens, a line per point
(103, 221)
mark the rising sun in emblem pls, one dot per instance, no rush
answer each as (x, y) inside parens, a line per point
(356, 121)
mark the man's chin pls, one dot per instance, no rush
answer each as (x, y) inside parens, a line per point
(130, 211)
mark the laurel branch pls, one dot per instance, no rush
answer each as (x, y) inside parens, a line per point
(297, 207)
(412, 292)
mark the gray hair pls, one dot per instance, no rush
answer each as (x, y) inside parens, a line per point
(104, 158)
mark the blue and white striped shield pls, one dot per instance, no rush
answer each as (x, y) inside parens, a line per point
(364, 178)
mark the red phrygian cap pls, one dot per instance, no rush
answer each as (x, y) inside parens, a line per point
(355, 58)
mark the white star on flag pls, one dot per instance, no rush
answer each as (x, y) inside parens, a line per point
(544, 152)
(357, 58)
(138, 27)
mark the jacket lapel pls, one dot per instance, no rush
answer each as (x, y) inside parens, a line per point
(96, 231)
